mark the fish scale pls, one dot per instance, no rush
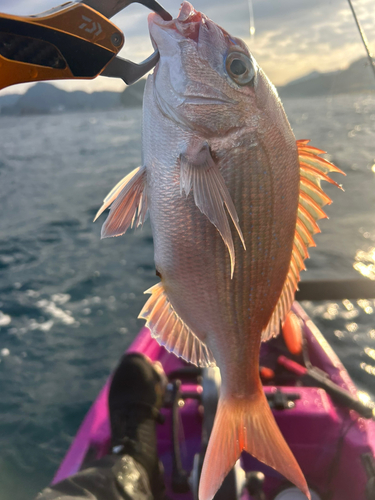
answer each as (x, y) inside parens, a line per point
(210, 244)
(166, 201)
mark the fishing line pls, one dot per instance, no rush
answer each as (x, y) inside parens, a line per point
(252, 20)
(363, 37)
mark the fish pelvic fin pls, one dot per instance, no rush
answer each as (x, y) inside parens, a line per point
(200, 173)
(246, 425)
(313, 169)
(171, 332)
(129, 204)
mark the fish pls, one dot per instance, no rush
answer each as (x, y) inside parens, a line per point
(233, 201)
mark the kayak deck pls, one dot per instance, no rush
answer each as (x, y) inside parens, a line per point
(331, 443)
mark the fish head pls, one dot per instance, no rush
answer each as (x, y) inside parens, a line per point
(206, 80)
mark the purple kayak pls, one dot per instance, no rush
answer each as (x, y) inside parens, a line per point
(312, 396)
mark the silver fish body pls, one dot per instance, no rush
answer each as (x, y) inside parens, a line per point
(233, 202)
(257, 157)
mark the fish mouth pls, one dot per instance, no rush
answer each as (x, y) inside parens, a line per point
(185, 26)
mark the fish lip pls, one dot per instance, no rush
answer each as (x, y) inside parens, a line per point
(153, 43)
(154, 18)
(186, 15)
(169, 27)
(185, 27)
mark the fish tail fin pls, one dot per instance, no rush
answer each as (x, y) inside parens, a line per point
(246, 424)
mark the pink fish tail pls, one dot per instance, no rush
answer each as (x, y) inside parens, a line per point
(246, 424)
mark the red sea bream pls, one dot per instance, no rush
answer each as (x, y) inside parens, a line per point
(233, 201)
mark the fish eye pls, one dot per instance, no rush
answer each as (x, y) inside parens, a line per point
(237, 67)
(240, 68)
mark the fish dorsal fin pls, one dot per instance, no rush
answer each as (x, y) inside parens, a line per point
(129, 204)
(200, 174)
(171, 332)
(312, 198)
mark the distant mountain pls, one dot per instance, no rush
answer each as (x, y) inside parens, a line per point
(358, 77)
(8, 100)
(44, 98)
(305, 78)
(132, 96)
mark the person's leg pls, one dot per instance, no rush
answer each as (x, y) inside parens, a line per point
(132, 471)
(114, 477)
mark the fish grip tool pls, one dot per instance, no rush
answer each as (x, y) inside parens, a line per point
(73, 41)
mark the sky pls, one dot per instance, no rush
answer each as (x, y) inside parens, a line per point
(292, 37)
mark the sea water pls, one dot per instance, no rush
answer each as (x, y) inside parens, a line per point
(69, 301)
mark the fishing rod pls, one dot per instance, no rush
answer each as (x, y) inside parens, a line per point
(363, 37)
(336, 289)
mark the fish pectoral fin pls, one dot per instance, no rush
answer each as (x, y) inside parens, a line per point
(171, 332)
(129, 204)
(199, 172)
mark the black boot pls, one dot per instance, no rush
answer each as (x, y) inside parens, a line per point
(135, 398)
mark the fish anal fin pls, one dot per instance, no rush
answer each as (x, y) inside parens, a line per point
(129, 204)
(246, 424)
(313, 169)
(200, 173)
(171, 332)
